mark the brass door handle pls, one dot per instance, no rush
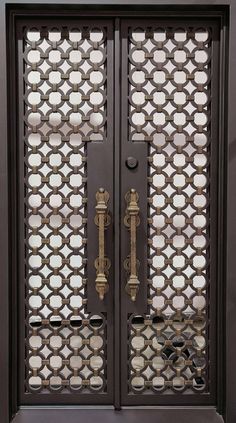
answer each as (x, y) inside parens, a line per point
(132, 220)
(102, 263)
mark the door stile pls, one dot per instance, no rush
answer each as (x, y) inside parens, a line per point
(222, 214)
(20, 153)
(213, 333)
(117, 214)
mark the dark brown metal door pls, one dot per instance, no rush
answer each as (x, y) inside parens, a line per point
(169, 157)
(65, 160)
(79, 321)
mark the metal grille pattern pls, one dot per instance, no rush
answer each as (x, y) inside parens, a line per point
(169, 95)
(64, 103)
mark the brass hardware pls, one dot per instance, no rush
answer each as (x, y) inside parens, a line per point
(131, 221)
(102, 263)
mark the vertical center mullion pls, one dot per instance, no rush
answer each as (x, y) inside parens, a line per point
(117, 200)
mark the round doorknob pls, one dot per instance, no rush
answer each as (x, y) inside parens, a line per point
(131, 162)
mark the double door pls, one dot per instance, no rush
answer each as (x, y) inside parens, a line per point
(117, 159)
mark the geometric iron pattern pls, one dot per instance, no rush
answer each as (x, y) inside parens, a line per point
(169, 107)
(65, 93)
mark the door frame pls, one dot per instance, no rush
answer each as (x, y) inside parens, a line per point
(225, 11)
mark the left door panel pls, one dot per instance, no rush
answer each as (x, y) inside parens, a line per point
(65, 133)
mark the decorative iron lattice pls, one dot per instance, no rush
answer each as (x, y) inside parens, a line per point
(65, 100)
(170, 108)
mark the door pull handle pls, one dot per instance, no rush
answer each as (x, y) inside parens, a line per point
(132, 221)
(102, 263)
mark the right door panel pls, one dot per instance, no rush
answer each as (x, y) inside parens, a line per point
(170, 129)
